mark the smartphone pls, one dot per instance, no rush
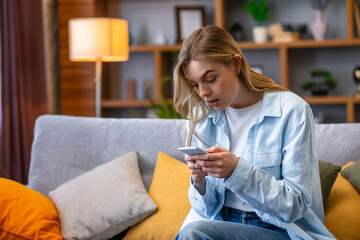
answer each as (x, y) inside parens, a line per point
(192, 150)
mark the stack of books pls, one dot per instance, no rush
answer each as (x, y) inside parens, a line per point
(278, 34)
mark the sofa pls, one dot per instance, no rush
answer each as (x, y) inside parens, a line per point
(107, 178)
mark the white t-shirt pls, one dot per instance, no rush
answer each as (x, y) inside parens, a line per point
(240, 121)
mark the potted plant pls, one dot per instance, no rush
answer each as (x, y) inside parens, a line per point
(320, 84)
(164, 109)
(259, 11)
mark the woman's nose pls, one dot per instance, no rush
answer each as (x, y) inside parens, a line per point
(204, 91)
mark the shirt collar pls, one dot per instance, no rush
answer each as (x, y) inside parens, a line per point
(271, 107)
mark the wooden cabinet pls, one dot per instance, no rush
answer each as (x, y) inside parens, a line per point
(286, 56)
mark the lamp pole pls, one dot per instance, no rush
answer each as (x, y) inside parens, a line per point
(98, 69)
(107, 40)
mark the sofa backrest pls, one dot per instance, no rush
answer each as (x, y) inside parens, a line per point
(338, 143)
(66, 146)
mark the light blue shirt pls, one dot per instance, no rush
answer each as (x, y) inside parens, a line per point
(280, 179)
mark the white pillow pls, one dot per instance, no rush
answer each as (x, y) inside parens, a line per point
(104, 201)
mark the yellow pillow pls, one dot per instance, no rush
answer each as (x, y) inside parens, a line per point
(169, 190)
(26, 214)
(342, 209)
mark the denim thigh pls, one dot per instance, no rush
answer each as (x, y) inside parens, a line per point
(237, 225)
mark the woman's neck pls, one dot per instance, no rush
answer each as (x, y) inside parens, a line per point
(246, 98)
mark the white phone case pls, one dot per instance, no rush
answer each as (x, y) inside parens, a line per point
(192, 150)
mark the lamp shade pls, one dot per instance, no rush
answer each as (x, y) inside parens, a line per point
(104, 39)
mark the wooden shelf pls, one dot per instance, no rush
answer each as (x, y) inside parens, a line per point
(301, 44)
(349, 101)
(114, 103)
(269, 45)
(124, 103)
(331, 99)
(78, 92)
(153, 48)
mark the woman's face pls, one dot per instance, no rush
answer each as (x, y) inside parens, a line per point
(216, 83)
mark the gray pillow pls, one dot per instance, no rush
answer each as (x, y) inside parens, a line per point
(104, 201)
(328, 174)
(352, 174)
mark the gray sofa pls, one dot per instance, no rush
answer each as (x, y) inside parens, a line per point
(66, 146)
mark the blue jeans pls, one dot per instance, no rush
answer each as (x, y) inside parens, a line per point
(236, 225)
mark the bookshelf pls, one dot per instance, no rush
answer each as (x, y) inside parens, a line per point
(284, 54)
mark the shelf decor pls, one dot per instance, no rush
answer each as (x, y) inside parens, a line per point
(319, 23)
(259, 11)
(188, 19)
(322, 81)
(131, 89)
(357, 15)
(357, 80)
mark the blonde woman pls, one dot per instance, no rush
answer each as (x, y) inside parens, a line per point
(260, 178)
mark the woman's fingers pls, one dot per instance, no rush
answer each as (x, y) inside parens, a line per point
(218, 164)
(215, 149)
(196, 170)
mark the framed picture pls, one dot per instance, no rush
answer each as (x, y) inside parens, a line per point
(188, 19)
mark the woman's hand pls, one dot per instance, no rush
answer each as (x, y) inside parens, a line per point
(197, 174)
(219, 163)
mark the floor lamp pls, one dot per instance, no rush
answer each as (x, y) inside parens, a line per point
(98, 40)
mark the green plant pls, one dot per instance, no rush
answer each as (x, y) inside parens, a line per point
(322, 81)
(164, 110)
(319, 4)
(258, 9)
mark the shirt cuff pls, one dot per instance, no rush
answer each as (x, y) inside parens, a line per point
(240, 176)
(195, 193)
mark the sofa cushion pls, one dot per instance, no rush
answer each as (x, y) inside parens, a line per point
(169, 190)
(328, 173)
(342, 212)
(103, 201)
(352, 174)
(26, 214)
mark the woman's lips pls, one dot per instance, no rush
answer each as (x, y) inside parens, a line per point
(213, 102)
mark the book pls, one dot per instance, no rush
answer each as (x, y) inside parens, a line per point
(278, 34)
(357, 16)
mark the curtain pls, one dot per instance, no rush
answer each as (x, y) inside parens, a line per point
(22, 83)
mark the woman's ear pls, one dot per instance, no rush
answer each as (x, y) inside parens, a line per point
(237, 59)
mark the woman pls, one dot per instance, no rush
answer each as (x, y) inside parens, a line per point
(260, 178)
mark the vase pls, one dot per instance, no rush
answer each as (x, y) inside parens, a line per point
(260, 34)
(319, 25)
(160, 38)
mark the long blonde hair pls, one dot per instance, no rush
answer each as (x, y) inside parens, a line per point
(212, 44)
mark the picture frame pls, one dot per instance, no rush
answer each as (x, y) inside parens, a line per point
(188, 19)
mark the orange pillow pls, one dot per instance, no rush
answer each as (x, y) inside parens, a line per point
(342, 209)
(26, 214)
(169, 190)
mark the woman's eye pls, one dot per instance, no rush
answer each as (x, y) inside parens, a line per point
(212, 80)
(194, 85)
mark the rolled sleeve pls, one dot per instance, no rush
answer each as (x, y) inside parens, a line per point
(241, 175)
